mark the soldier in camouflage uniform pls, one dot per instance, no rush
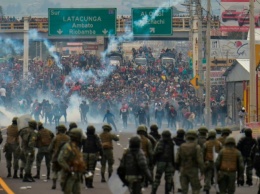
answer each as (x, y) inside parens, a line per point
(107, 139)
(11, 148)
(202, 136)
(164, 160)
(44, 138)
(134, 162)
(72, 163)
(225, 132)
(28, 137)
(147, 148)
(209, 158)
(178, 140)
(218, 131)
(54, 148)
(1, 140)
(92, 150)
(244, 145)
(229, 161)
(154, 132)
(189, 160)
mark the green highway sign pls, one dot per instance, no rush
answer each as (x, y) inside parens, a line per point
(152, 21)
(82, 22)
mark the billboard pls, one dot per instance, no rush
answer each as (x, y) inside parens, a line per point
(229, 49)
(235, 15)
(216, 78)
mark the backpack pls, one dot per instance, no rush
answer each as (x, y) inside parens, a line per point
(256, 160)
(121, 171)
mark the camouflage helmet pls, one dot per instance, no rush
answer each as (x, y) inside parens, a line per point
(226, 131)
(191, 134)
(61, 128)
(32, 123)
(15, 119)
(106, 127)
(248, 130)
(75, 134)
(153, 127)
(135, 142)
(212, 133)
(230, 140)
(180, 131)
(91, 129)
(218, 130)
(166, 134)
(203, 130)
(73, 125)
(40, 124)
(141, 128)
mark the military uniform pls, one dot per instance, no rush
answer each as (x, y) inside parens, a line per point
(208, 147)
(55, 146)
(135, 165)
(189, 160)
(154, 132)
(244, 145)
(202, 136)
(254, 155)
(71, 161)
(164, 159)
(229, 161)
(1, 140)
(107, 146)
(178, 140)
(28, 137)
(44, 138)
(92, 149)
(11, 148)
(224, 134)
(147, 148)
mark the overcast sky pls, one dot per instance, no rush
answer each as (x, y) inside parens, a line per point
(21, 8)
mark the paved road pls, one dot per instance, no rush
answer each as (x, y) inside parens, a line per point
(43, 186)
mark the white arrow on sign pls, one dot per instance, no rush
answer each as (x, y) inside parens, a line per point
(152, 30)
(105, 31)
(59, 31)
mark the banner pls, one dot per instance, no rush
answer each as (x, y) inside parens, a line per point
(229, 49)
(235, 15)
(216, 78)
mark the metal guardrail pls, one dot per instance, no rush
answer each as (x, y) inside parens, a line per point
(123, 25)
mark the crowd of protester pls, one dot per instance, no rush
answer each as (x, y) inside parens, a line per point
(108, 87)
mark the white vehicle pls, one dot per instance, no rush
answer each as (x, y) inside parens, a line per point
(168, 60)
(140, 61)
(115, 60)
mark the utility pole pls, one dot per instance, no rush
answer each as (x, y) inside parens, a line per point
(207, 103)
(252, 83)
(26, 47)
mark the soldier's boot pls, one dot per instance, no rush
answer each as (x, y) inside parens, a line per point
(103, 180)
(207, 191)
(26, 178)
(240, 183)
(37, 176)
(54, 181)
(21, 173)
(48, 173)
(9, 173)
(31, 178)
(15, 174)
(154, 190)
(90, 184)
(249, 182)
(258, 191)
(86, 182)
(109, 174)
